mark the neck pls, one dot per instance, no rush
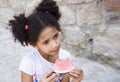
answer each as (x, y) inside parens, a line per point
(53, 58)
(50, 58)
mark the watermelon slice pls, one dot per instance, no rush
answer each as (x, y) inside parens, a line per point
(63, 65)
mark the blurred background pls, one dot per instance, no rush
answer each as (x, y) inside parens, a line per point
(90, 31)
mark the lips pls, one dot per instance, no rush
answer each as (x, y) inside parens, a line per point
(56, 50)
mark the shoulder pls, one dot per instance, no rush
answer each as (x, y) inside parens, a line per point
(64, 54)
(27, 63)
(29, 57)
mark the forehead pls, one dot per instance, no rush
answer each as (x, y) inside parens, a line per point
(48, 32)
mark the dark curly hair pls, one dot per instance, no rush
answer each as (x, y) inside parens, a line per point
(46, 14)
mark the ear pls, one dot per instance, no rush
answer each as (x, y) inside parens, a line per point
(34, 45)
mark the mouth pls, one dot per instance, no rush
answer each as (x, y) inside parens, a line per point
(56, 50)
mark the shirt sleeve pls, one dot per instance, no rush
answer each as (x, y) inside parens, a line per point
(26, 65)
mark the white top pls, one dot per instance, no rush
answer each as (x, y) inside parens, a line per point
(34, 64)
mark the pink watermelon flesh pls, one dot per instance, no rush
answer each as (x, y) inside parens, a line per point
(63, 65)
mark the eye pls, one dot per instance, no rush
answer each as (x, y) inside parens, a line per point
(56, 35)
(46, 42)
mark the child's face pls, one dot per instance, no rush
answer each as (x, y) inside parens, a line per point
(49, 42)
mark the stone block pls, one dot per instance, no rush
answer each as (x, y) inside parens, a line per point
(68, 16)
(88, 14)
(73, 35)
(58, 0)
(112, 4)
(77, 1)
(109, 45)
(3, 3)
(112, 19)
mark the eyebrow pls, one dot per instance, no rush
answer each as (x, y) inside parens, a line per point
(52, 36)
(56, 33)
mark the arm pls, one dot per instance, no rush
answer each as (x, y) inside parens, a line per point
(65, 78)
(25, 77)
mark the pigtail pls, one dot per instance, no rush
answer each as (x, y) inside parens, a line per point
(27, 29)
(49, 7)
(18, 29)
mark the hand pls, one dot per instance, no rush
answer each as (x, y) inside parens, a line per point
(76, 74)
(49, 77)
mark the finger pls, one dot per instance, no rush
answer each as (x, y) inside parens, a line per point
(77, 69)
(53, 77)
(76, 77)
(48, 74)
(76, 73)
(72, 74)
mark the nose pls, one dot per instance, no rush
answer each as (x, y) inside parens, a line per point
(54, 44)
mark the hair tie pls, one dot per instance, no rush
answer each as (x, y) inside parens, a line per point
(26, 27)
(46, 11)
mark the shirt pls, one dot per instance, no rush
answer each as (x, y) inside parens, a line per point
(34, 64)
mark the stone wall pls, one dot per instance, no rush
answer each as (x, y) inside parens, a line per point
(89, 30)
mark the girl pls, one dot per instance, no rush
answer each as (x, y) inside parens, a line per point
(41, 30)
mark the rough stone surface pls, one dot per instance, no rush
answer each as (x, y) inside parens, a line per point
(69, 32)
(96, 72)
(30, 7)
(18, 6)
(4, 16)
(68, 16)
(11, 54)
(88, 14)
(109, 44)
(3, 3)
(112, 19)
(77, 1)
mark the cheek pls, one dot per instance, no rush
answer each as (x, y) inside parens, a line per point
(44, 49)
(59, 40)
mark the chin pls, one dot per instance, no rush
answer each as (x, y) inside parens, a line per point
(55, 52)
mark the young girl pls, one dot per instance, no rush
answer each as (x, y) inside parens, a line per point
(41, 30)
